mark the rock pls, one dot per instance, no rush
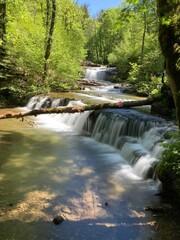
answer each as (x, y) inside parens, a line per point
(10, 204)
(66, 210)
(99, 205)
(58, 220)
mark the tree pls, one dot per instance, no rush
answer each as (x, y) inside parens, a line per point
(45, 41)
(68, 48)
(169, 37)
(49, 32)
(137, 55)
(67, 109)
(102, 35)
(2, 29)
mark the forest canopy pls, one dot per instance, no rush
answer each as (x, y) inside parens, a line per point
(44, 32)
(47, 42)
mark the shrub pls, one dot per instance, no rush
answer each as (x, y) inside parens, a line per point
(168, 169)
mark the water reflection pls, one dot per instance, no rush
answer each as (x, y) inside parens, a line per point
(45, 173)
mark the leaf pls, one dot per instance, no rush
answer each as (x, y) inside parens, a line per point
(133, 1)
(166, 20)
(143, 10)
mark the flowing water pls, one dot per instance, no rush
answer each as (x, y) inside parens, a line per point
(96, 169)
(106, 91)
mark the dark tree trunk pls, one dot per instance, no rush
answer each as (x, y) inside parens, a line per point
(48, 9)
(2, 29)
(49, 33)
(169, 38)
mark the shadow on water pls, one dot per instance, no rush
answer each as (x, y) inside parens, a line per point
(85, 230)
(41, 178)
(44, 174)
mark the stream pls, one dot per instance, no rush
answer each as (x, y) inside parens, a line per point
(95, 169)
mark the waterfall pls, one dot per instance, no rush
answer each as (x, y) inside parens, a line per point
(95, 74)
(39, 102)
(99, 73)
(135, 135)
(59, 122)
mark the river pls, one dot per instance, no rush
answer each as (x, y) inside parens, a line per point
(92, 169)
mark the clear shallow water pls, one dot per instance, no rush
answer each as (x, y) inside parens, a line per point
(45, 173)
(48, 168)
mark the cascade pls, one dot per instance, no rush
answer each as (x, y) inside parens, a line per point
(136, 136)
(39, 102)
(60, 122)
(95, 74)
(99, 73)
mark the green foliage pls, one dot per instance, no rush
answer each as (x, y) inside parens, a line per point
(168, 169)
(26, 40)
(171, 155)
(128, 49)
(137, 55)
(125, 37)
(103, 34)
(147, 76)
(133, 1)
(67, 50)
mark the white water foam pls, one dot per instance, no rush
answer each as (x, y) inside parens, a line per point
(136, 140)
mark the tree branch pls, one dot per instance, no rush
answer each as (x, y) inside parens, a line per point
(36, 112)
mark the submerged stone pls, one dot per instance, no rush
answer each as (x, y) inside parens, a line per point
(58, 220)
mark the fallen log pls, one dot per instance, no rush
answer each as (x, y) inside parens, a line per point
(83, 108)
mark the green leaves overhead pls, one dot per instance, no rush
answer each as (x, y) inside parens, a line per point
(124, 37)
(132, 1)
(26, 34)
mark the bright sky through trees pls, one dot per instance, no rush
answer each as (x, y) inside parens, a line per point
(95, 6)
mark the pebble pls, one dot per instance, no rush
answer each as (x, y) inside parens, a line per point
(58, 219)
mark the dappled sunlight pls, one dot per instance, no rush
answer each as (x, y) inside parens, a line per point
(45, 174)
(32, 164)
(85, 171)
(38, 173)
(85, 206)
(2, 176)
(31, 208)
(115, 190)
(60, 178)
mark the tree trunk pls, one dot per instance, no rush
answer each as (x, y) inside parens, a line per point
(48, 7)
(49, 33)
(2, 30)
(143, 37)
(35, 112)
(169, 38)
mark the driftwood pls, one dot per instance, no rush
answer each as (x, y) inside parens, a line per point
(83, 108)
